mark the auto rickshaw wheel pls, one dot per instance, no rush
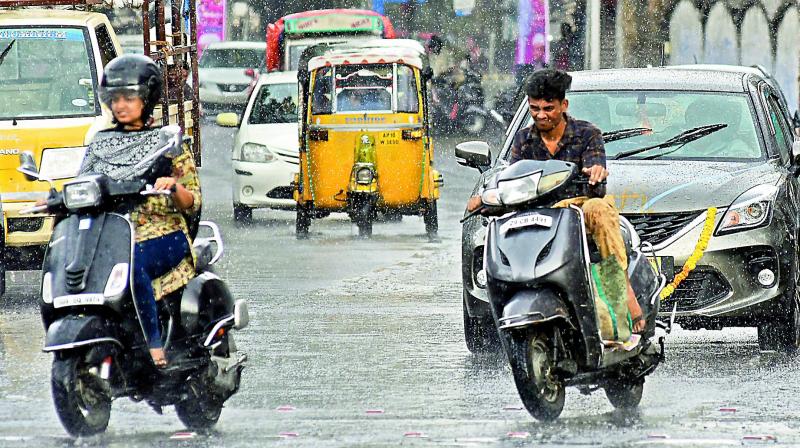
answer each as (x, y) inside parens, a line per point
(302, 222)
(431, 217)
(363, 216)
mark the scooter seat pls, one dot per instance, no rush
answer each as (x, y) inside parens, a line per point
(204, 252)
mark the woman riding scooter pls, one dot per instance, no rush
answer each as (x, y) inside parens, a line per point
(131, 87)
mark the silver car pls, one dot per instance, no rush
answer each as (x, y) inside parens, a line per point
(741, 158)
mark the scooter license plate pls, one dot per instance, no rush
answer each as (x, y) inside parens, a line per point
(534, 219)
(665, 265)
(78, 300)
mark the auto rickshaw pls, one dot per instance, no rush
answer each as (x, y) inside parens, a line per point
(365, 144)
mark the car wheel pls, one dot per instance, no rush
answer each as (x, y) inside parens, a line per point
(242, 213)
(782, 332)
(480, 333)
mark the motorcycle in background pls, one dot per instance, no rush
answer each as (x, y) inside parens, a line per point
(90, 314)
(459, 107)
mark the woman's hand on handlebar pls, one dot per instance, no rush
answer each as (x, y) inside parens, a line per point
(165, 183)
(596, 174)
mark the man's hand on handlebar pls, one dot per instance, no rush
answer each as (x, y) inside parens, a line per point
(473, 203)
(596, 174)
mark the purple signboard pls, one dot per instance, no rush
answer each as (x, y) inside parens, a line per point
(210, 23)
(533, 21)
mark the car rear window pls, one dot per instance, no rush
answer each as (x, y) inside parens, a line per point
(669, 113)
(231, 58)
(275, 103)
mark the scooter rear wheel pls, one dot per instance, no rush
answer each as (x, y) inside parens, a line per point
(541, 392)
(82, 408)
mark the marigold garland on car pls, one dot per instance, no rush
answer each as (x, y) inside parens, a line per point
(699, 250)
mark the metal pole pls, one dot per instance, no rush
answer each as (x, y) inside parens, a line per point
(593, 34)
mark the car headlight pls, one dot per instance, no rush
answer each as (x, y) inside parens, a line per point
(253, 152)
(750, 210)
(520, 190)
(551, 181)
(365, 175)
(81, 195)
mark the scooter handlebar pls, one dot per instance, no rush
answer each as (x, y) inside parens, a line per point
(33, 209)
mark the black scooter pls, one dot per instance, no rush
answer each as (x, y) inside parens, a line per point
(537, 263)
(91, 318)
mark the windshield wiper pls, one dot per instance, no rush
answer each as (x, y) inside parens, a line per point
(680, 139)
(620, 134)
(5, 52)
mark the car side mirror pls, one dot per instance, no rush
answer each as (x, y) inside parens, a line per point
(474, 154)
(27, 166)
(228, 119)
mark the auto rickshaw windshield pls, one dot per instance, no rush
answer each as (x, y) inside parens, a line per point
(365, 88)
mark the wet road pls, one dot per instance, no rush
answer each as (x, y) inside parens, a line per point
(359, 343)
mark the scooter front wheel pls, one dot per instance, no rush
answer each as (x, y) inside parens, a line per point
(83, 408)
(625, 395)
(541, 391)
(200, 410)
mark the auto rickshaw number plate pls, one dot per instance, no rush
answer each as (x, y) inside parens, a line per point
(526, 221)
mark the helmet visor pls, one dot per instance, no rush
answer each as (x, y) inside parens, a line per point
(109, 94)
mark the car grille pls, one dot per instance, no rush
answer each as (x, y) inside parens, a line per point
(655, 228)
(704, 286)
(25, 224)
(287, 156)
(232, 88)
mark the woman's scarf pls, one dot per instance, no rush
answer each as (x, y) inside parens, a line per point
(116, 153)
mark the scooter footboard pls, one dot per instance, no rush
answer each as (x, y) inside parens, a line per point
(78, 331)
(533, 306)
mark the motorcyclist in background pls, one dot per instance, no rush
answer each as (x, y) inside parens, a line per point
(163, 261)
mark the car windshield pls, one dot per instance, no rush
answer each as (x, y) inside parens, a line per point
(231, 58)
(670, 113)
(275, 103)
(46, 73)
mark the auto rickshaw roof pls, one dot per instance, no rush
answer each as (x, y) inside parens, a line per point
(377, 51)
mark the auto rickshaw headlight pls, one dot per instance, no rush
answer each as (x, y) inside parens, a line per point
(365, 175)
(253, 152)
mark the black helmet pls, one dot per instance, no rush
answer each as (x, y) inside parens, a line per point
(132, 75)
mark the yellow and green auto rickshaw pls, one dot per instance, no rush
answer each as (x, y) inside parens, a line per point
(365, 144)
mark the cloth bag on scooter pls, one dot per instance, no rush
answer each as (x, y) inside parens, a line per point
(611, 308)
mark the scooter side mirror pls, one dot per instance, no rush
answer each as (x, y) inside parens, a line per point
(27, 166)
(173, 136)
(474, 154)
(796, 151)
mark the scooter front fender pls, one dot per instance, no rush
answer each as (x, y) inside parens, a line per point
(73, 332)
(531, 307)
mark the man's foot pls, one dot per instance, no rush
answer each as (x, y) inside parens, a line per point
(159, 357)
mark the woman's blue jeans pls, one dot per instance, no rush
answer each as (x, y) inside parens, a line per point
(152, 259)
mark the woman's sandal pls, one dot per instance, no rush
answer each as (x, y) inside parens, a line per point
(159, 357)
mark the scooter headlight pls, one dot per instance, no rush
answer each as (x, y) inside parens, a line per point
(47, 287)
(81, 194)
(117, 281)
(551, 181)
(517, 191)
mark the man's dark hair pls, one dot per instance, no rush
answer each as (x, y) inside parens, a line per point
(548, 84)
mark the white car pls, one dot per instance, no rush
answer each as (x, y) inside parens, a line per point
(265, 151)
(223, 82)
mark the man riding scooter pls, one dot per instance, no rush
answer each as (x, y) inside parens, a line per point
(555, 135)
